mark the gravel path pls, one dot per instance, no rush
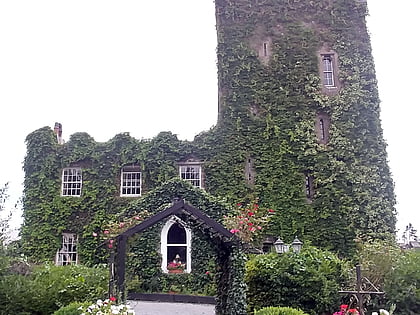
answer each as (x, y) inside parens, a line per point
(160, 308)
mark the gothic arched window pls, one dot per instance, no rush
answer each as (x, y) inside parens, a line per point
(175, 243)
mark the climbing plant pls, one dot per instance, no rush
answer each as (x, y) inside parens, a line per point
(267, 111)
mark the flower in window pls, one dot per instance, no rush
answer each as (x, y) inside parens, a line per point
(176, 264)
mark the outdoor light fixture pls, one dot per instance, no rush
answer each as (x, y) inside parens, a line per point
(280, 246)
(296, 245)
(283, 248)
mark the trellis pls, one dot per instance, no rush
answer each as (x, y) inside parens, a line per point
(230, 297)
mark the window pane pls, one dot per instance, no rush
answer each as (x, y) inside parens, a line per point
(177, 234)
(177, 250)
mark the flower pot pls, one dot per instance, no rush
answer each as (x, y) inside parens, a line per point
(176, 271)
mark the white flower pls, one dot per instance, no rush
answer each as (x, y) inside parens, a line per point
(383, 312)
(374, 313)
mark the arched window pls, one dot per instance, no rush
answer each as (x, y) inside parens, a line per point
(175, 245)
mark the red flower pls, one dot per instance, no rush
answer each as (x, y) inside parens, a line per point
(207, 272)
(239, 204)
(250, 223)
(250, 213)
(270, 210)
(112, 298)
(353, 311)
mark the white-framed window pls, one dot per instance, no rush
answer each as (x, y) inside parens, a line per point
(71, 183)
(130, 182)
(191, 173)
(328, 70)
(175, 242)
(67, 255)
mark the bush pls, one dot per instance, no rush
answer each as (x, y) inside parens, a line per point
(48, 288)
(279, 311)
(72, 309)
(309, 280)
(402, 286)
(377, 259)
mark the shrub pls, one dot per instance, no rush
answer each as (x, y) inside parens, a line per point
(402, 286)
(72, 309)
(377, 259)
(279, 311)
(309, 280)
(48, 288)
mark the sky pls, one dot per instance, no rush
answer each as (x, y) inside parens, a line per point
(105, 67)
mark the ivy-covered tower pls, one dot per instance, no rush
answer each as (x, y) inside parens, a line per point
(298, 129)
(299, 118)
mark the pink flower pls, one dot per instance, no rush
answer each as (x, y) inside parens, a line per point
(110, 245)
(106, 232)
(252, 229)
(250, 213)
(94, 234)
(207, 272)
(137, 218)
(250, 223)
(121, 225)
(241, 222)
(239, 204)
(233, 231)
(259, 227)
(112, 298)
(111, 241)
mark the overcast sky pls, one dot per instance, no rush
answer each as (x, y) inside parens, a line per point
(105, 67)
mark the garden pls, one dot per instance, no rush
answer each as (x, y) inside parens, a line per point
(293, 282)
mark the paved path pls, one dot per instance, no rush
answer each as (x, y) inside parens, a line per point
(160, 308)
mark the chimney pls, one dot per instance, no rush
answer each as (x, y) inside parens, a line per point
(58, 131)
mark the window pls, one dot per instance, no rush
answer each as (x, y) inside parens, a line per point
(191, 173)
(265, 49)
(249, 171)
(309, 186)
(322, 127)
(130, 181)
(67, 255)
(71, 182)
(328, 70)
(176, 245)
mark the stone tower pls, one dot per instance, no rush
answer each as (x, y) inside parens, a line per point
(299, 107)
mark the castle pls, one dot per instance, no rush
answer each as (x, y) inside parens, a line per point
(298, 128)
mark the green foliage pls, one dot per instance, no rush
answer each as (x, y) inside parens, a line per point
(279, 311)
(402, 286)
(48, 288)
(377, 259)
(3, 221)
(309, 280)
(71, 309)
(267, 111)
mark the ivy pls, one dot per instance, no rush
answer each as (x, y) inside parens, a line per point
(266, 111)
